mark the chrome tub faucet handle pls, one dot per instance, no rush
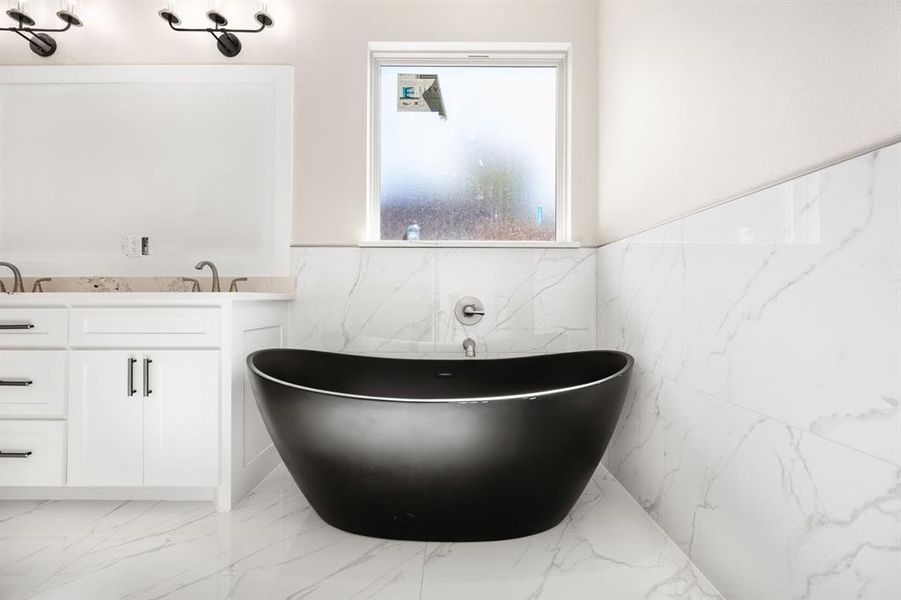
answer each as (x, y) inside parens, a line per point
(469, 310)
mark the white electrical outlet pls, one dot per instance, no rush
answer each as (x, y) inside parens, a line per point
(131, 246)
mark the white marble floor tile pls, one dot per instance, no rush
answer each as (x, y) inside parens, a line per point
(606, 548)
(273, 546)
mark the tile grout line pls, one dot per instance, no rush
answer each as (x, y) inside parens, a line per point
(797, 428)
(425, 548)
(804, 431)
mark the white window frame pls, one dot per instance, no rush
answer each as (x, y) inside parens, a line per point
(541, 54)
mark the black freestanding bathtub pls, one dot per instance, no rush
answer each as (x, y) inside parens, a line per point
(445, 450)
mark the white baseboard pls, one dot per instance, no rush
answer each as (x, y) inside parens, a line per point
(106, 493)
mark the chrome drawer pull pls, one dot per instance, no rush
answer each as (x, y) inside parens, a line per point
(131, 376)
(15, 382)
(147, 390)
(15, 453)
(16, 326)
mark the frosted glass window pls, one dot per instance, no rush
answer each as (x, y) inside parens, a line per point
(486, 172)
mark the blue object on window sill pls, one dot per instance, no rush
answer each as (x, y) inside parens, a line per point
(412, 233)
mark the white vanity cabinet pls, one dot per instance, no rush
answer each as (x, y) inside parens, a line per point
(133, 396)
(32, 396)
(106, 426)
(181, 417)
(144, 417)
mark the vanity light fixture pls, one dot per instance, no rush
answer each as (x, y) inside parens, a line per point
(38, 38)
(226, 40)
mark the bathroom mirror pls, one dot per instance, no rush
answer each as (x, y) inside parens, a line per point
(196, 158)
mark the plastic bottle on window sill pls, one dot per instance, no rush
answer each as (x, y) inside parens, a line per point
(412, 233)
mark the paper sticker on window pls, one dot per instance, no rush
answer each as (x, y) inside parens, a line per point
(419, 93)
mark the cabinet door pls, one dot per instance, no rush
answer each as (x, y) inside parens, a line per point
(181, 418)
(105, 420)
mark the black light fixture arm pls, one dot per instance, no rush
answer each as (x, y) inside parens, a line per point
(214, 30)
(22, 28)
(46, 47)
(226, 40)
(38, 38)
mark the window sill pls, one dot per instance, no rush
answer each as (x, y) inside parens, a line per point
(464, 244)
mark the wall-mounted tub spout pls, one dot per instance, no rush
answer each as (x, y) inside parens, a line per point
(469, 346)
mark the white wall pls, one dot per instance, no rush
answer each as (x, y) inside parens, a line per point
(701, 101)
(698, 101)
(198, 159)
(326, 42)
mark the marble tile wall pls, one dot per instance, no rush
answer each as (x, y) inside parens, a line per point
(763, 428)
(400, 301)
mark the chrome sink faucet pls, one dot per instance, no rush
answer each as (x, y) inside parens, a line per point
(18, 286)
(38, 284)
(205, 263)
(469, 346)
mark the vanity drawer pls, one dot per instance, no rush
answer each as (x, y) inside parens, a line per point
(32, 383)
(145, 327)
(32, 453)
(33, 327)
